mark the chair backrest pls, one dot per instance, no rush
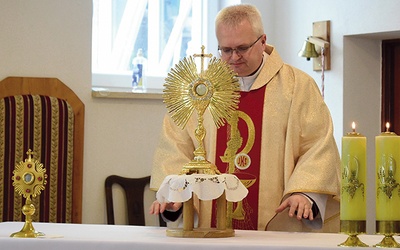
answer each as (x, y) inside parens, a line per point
(44, 115)
(134, 189)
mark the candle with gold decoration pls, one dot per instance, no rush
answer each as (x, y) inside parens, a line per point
(387, 175)
(353, 186)
(354, 164)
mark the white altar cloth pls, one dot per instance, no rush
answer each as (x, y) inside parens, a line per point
(115, 237)
(179, 188)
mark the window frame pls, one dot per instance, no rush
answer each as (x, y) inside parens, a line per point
(106, 81)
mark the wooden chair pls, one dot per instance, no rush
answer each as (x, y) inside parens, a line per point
(134, 192)
(44, 115)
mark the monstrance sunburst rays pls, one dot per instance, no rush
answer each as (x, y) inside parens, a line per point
(29, 177)
(186, 90)
(225, 98)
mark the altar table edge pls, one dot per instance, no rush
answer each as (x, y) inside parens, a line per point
(120, 237)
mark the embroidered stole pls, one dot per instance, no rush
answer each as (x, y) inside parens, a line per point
(238, 152)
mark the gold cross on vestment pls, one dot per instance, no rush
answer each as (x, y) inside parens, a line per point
(202, 55)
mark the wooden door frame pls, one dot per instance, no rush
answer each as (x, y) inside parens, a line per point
(389, 101)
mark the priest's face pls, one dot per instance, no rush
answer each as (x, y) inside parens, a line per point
(240, 47)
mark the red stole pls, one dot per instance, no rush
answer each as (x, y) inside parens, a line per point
(244, 139)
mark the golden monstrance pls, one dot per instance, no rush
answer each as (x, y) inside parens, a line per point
(186, 90)
(29, 180)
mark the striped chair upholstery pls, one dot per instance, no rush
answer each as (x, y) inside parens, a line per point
(46, 125)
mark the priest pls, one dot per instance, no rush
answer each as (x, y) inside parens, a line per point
(282, 134)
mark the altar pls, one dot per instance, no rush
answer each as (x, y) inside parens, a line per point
(118, 237)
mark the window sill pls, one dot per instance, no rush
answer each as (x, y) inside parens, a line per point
(126, 93)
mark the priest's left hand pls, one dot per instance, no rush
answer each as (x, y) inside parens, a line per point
(299, 206)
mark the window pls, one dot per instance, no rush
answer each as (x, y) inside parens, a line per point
(164, 30)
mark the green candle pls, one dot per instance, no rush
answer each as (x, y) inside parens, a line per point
(353, 169)
(387, 146)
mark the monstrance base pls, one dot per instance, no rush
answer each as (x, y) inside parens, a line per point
(27, 232)
(201, 233)
(199, 167)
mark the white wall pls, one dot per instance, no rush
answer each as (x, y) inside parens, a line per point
(53, 38)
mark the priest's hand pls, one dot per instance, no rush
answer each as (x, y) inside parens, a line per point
(299, 206)
(158, 208)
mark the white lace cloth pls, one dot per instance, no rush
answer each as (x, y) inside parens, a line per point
(179, 188)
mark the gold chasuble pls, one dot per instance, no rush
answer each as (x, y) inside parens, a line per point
(238, 152)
